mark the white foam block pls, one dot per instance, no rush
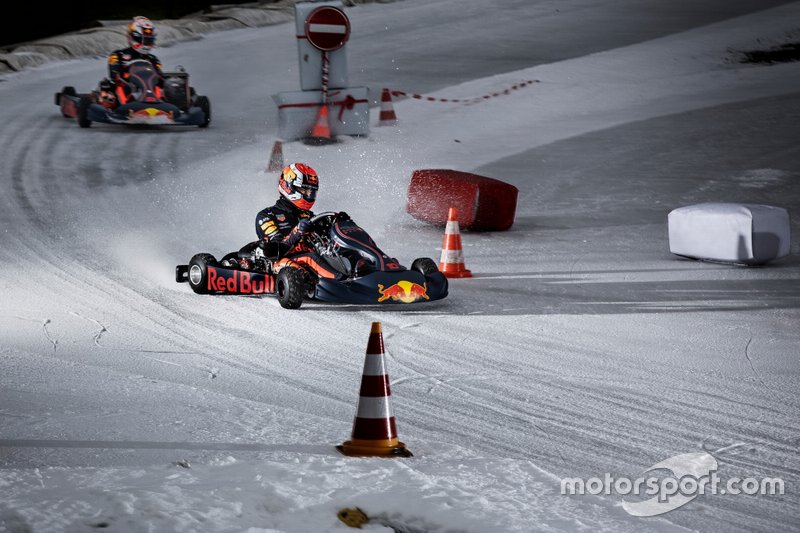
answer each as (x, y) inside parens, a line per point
(738, 233)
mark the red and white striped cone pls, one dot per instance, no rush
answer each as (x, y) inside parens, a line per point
(387, 116)
(321, 132)
(276, 158)
(374, 431)
(451, 263)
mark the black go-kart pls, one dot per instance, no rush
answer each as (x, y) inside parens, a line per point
(355, 270)
(173, 103)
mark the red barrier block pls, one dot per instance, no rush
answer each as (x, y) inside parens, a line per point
(483, 204)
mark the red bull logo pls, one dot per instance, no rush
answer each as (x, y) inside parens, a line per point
(404, 291)
(239, 282)
(150, 115)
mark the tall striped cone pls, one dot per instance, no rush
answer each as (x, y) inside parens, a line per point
(387, 116)
(374, 432)
(321, 132)
(276, 158)
(451, 263)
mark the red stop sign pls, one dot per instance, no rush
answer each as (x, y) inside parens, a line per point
(327, 28)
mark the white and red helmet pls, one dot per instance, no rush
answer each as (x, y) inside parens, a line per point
(141, 34)
(299, 183)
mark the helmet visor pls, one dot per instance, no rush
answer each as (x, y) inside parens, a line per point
(146, 40)
(309, 194)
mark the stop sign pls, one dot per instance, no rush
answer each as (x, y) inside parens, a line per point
(327, 28)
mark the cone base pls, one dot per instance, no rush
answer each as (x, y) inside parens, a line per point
(319, 141)
(456, 273)
(352, 449)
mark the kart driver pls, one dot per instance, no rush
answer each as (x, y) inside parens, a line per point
(288, 220)
(141, 39)
(285, 223)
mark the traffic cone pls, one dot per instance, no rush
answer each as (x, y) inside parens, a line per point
(321, 132)
(387, 116)
(451, 263)
(374, 432)
(276, 158)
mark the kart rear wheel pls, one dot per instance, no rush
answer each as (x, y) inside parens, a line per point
(66, 91)
(198, 272)
(83, 111)
(425, 265)
(205, 104)
(290, 287)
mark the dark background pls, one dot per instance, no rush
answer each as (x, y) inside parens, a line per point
(37, 21)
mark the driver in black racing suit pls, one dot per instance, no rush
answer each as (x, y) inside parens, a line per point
(288, 220)
(141, 39)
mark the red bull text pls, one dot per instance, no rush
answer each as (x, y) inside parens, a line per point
(240, 282)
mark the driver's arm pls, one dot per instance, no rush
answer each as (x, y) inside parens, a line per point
(114, 67)
(157, 65)
(302, 227)
(267, 229)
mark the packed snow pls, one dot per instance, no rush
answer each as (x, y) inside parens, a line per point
(581, 347)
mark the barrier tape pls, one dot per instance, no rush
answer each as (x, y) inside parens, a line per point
(348, 104)
(507, 91)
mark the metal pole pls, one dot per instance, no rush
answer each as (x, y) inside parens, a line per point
(325, 70)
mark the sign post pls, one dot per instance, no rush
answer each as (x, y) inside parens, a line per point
(327, 28)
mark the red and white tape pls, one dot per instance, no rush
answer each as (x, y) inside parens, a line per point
(504, 92)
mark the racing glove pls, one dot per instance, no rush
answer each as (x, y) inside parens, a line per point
(304, 226)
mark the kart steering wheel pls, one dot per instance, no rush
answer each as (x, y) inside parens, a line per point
(316, 218)
(323, 219)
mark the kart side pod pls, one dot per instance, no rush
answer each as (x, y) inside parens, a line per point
(206, 276)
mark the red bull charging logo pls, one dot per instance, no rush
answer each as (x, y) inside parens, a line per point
(404, 291)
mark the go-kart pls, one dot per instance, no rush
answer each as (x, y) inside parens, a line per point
(145, 101)
(355, 270)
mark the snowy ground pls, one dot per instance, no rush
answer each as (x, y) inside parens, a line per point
(581, 346)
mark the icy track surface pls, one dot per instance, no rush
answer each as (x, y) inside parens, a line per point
(581, 346)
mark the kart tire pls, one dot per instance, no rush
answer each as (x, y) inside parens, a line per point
(198, 272)
(425, 265)
(83, 111)
(66, 91)
(310, 286)
(205, 105)
(290, 287)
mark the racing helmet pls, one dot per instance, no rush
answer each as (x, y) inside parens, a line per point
(298, 183)
(141, 34)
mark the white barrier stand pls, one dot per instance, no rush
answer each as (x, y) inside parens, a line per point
(297, 111)
(748, 234)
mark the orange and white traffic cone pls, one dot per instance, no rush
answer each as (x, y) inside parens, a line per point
(321, 132)
(451, 263)
(374, 431)
(387, 116)
(276, 158)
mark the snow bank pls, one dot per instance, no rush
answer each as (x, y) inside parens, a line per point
(111, 35)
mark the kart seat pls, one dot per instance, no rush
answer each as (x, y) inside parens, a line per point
(272, 250)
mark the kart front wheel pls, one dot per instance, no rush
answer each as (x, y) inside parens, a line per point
(205, 105)
(198, 272)
(425, 265)
(290, 287)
